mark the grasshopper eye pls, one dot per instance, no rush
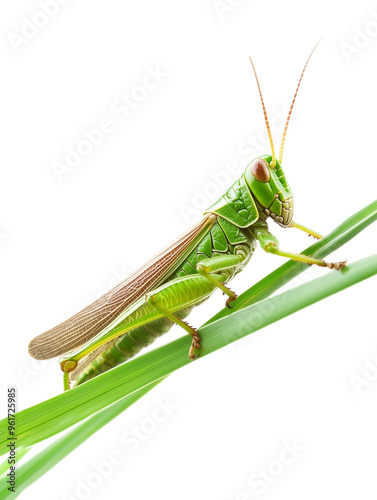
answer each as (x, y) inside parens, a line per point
(260, 170)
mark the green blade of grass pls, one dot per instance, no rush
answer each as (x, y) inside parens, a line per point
(58, 413)
(45, 460)
(309, 293)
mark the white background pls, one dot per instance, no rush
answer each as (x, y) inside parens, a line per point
(64, 243)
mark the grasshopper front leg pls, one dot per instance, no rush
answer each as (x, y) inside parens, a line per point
(305, 229)
(270, 244)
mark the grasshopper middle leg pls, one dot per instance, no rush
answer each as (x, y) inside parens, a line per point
(207, 267)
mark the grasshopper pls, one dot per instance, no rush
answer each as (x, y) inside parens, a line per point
(164, 291)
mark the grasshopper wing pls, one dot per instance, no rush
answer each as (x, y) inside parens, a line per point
(87, 323)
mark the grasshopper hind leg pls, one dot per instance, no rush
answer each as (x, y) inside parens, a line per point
(195, 344)
(156, 314)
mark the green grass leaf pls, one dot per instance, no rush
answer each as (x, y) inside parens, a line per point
(131, 378)
(41, 463)
(126, 383)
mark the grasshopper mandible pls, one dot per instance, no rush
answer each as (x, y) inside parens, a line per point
(163, 291)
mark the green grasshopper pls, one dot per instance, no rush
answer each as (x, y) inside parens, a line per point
(164, 291)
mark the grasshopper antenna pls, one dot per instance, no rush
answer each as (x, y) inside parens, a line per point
(273, 161)
(294, 99)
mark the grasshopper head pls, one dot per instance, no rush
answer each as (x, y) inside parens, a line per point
(264, 175)
(269, 187)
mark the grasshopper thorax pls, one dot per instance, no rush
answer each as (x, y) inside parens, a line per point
(270, 189)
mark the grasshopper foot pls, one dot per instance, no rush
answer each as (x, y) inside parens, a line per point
(192, 356)
(229, 301)
(337, 265)
(330, 265)
(231, 296)
(195, 344)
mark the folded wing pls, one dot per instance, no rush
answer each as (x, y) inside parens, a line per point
(84, 325)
